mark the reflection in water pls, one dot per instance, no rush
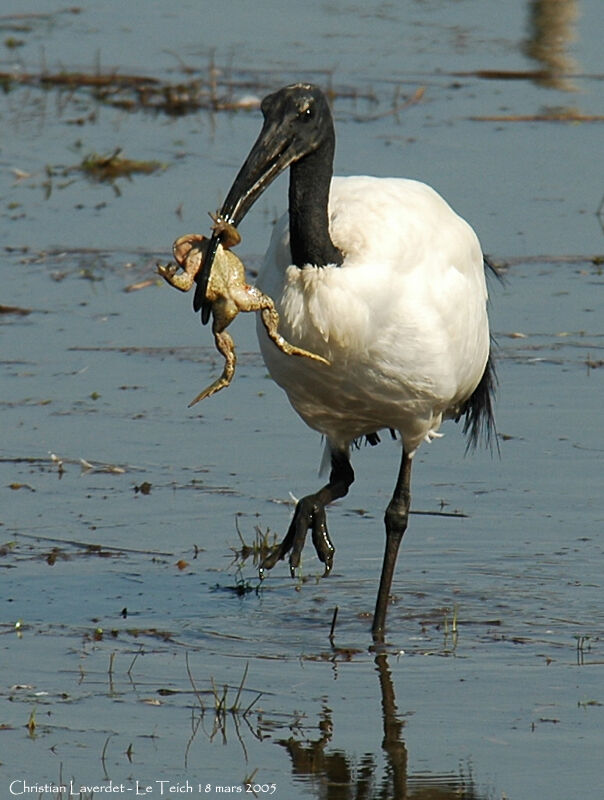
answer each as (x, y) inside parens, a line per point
(333, 774)
(552, 30)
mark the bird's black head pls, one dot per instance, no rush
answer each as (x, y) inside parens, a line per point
(302, 113)
(297, 122)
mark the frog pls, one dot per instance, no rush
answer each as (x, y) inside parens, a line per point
(190, 251)
(229, 294)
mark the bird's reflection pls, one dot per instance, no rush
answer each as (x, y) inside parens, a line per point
(551, 34)
(334, 774)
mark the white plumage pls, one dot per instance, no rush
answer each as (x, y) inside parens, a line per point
(403, 321)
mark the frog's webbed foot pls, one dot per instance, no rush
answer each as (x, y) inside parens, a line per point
(270, 319)
(226, 346)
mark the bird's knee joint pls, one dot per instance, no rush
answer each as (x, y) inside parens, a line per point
(396, 518)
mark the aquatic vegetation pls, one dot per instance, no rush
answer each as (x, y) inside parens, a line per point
(110, 167)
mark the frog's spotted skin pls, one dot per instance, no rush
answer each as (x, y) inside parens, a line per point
(228, 294)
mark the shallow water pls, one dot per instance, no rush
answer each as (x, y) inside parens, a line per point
(126, 604)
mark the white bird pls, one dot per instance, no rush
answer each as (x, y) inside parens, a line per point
(382, 278)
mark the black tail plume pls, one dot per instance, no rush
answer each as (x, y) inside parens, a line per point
(479, 422)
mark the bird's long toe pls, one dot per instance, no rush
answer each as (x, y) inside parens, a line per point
(299, 527)
(322, 541)
(279, 552)
(309, 515)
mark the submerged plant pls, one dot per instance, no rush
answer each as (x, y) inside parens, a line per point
(113, 166)
(264, 543)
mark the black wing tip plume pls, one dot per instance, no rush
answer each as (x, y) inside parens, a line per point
(479, 415)
(479, 422)
(490, 269)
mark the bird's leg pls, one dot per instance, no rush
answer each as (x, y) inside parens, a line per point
(310, 515)
(395, 518)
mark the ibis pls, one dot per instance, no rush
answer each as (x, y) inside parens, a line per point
(381, 278)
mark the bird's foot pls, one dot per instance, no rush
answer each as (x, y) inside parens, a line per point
(309, 515)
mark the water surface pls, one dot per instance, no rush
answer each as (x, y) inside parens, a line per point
(126, 604)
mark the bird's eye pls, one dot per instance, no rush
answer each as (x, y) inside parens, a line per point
(305, 111)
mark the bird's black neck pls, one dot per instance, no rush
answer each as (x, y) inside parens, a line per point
(310, 179)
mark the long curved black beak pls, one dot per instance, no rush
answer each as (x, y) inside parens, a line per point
(271, 154)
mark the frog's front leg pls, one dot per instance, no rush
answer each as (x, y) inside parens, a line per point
(189, 252)
(226, 346)
(270, 320)
(179, 280)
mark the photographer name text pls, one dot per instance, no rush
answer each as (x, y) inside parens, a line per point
(159, 788)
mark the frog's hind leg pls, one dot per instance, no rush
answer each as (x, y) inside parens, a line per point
(226, 346)
(270, 319)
